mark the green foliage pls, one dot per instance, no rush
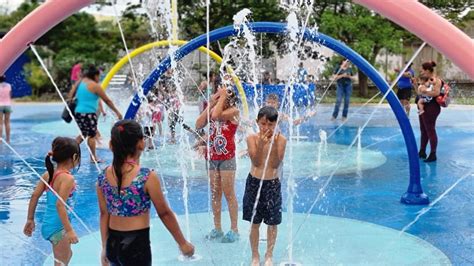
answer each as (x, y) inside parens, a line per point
(37, 78)
(192, 16)
(364, 31)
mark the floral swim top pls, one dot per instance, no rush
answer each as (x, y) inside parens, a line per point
(132, 201)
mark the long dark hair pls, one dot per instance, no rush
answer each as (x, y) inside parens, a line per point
(92, 72)
(125, 135)
(62, 149)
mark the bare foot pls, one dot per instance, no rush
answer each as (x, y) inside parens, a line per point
(255, 261)
(268, 261)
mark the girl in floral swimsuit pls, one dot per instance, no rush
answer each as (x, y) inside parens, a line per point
(125, 192)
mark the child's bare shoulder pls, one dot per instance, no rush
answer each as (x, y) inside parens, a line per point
(281, 138)
(252, 136)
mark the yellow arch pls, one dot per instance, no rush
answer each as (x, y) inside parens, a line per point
(147, 47)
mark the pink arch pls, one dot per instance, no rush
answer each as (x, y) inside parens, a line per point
(35, 25)
(410, 14)
(430, 27)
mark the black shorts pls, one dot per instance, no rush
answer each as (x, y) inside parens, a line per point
(269, 204)
(87, 122)
(149, 131)
(404, 94)
(129, 247)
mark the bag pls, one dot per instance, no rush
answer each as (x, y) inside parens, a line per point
(72, 106)
(443, 99)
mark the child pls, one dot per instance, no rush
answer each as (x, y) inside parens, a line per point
(145, 118)
(157, 116)
(263, 182)
(56, 226)
(422, 99)
(224, 120)
(5, 107)
(125, 192)
(273, 100)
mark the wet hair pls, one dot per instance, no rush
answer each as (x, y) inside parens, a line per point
(273, 96)
(62, 149)
(92, 72)
(269, 112)
(429, 66)
(125, 135)
(3, 78)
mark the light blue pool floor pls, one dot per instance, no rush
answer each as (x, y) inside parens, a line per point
(355, 222)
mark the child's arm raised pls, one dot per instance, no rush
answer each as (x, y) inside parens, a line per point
(167, 216)
(202, 120)
(65, 188)
(30, 221)
(224, 115)
(104, 222)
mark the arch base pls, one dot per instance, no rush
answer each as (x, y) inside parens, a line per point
(411, 198)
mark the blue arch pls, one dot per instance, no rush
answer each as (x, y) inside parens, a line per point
(414, 194)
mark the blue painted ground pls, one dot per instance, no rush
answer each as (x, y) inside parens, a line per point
(372, 195)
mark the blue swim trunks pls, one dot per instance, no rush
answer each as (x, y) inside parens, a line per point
(269, 204)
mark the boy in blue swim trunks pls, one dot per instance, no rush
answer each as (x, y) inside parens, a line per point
(262, 198)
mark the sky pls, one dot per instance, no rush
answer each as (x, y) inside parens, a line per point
(11, 5)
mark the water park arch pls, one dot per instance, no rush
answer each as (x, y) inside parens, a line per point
(433, 29)
(125, 59)
(414, 194)
(410, 14)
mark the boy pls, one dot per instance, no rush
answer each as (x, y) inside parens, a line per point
(263, 182)
(273, 100)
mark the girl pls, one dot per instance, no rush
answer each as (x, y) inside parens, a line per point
(5, 107)
(125, 191)
(56, 226)
(224, 117)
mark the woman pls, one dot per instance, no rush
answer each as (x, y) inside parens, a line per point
(224, 120)
(87, 92)
(5, 107)
(343, 75)
(431, 111)
(405, 87)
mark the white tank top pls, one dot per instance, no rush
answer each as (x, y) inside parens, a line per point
(5, 94)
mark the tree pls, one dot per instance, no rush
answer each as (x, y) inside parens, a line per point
(192, 16)
(365, 32)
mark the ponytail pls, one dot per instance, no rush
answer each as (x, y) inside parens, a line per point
(49, 167)
(117, 163)
(125, 135)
